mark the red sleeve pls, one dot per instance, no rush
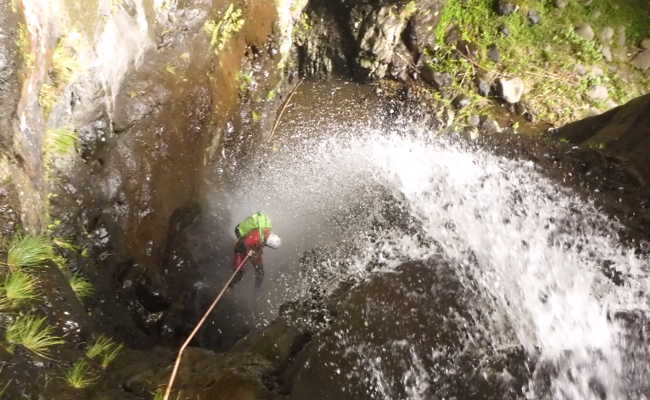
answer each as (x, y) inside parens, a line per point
(252, 240)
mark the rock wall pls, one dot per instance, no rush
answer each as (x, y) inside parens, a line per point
(623, 132)
(370, 39)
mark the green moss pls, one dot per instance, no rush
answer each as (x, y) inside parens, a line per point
(59, 142)
(410, 8)
(24, 46)
(544, 55)
(64, 66)
(64, 60)
(221, 30)
(303, 27)
(245, 80)
(47, 96)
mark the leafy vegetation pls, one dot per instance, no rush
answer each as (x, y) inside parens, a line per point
(18, 287)
(64, 66)
(29, 251)
(545, 55)
(105, 350)
(23, 44)
(222, 30)
(60, 141)
(33, 333)
(81, 286)
(80, 375)
(159, 394)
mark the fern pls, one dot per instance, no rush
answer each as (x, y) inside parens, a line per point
(79, 376)
(81, 286)
(29, 251)
(18, 287)
(34, 334)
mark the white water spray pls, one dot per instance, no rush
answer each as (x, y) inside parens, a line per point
(534, 247)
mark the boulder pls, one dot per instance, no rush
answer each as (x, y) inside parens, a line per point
(493, 53)
(379, 35)
(511, 90)
(621, 36)
(491, 126)
(483, 86)
(461, 102)
(412, 333)
(642, 60)
(645, 44)
(620, 54)
(440, 80)
(561, 4)
(505, 7)
(585, 31)
(598, 93)
(625, 129)
(202, 373)
(607, 53)
(606, 35)
(534, 17)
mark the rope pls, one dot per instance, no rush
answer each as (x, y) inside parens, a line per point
(283, 109)
(197, 327)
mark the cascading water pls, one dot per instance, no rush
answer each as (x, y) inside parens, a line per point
(534, 250)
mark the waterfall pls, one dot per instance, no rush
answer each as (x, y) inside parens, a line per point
(534, 248)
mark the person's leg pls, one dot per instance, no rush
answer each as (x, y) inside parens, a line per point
(237, 260)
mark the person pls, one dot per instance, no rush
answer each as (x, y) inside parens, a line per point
(253, 234)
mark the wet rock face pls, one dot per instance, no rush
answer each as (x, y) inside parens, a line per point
(623, 132)
(9, 82)
(146, 151)
(406, 334)
(369, 39)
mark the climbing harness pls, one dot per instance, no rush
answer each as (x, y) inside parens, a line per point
(198, 326)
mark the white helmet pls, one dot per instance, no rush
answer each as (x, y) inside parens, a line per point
(273, 241)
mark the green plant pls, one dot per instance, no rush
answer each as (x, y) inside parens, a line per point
(159, 394)
(47, 97)
(23, 44)
(245, 81)
(64, 244)
(17, 287)
(64, 61)
(29, 251)
(81, 286)
(60, 141)
(410, 8)
(33, 333)
(222, 30)
(80, 376)
(106, 349)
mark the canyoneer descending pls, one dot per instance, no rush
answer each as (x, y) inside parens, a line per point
(253, 234)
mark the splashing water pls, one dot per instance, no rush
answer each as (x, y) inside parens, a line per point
(535, 248)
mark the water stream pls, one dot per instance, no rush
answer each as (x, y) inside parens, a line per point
(535, 249)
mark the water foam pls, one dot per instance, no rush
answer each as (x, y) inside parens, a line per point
(533, 246)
